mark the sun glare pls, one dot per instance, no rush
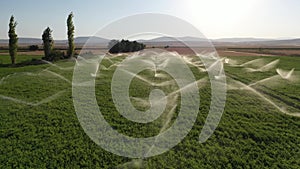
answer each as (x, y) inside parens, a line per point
(225, 12)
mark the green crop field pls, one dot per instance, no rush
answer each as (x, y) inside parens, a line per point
(259, 127)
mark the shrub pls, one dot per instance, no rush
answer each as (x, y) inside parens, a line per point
(55, 55)
(33, 47)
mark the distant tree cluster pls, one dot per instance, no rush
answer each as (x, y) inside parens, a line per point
(124, 46)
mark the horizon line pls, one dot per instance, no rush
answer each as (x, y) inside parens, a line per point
(215, 38)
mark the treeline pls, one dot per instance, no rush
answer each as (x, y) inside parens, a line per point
(125, 46)
(48, 43)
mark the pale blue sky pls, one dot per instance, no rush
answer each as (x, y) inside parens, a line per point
(215, 18)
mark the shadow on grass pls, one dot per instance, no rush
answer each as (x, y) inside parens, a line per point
(24, 63)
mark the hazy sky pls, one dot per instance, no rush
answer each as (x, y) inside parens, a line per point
(215, 18)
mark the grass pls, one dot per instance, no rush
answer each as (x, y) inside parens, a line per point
(5, 59)
(252, 133)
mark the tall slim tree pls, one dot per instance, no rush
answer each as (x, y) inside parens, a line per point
(47, 43)
(71, 28)
(13, 40)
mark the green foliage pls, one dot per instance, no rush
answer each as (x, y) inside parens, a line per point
(126, 46)
(71, 28)
(13, 40)
(251, 134)
(48, 43)
(56, 55)
(5, 60)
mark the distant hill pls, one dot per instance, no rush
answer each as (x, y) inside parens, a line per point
(23, 41)
(241, 40)
(77, 40)
(231, 42)
(169, 41)
(259, 43)
(289, 42)
(92, 40)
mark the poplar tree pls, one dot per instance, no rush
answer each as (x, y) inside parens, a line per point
(71, 28)
(13, 40)
(47, 43)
